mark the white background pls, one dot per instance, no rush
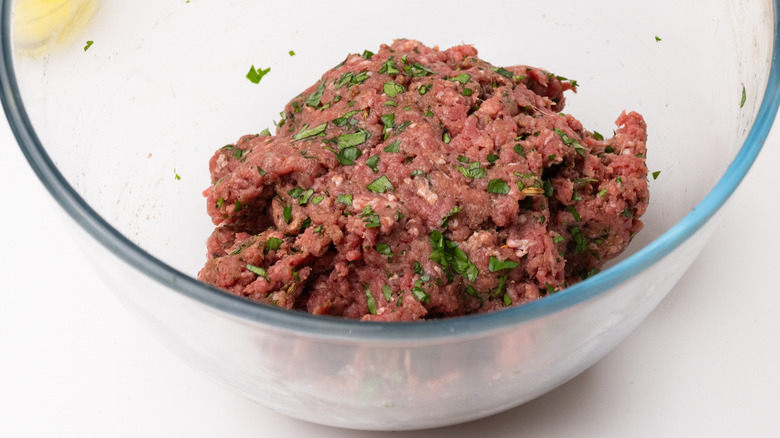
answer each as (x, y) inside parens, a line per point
(73, 362)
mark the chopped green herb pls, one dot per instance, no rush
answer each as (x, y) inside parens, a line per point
(317, 199)
(424, 89)
(295, 193)
(387, 292)
(473, 171)
(601, 193)
(580, 241)
(416, 172)
(466, 91)
(390, 103)
(372, 162)
(418, 268)
(657, 39)
(347, 156)
(492, 158)
(744, 97)
(305, 224)
(392, 89)
(316, 97)
(446, 253)
(367, 54)
(388, 120)
(446, 138)
(305, 132)
(89, 44)
(380, 185)
(345, 199)
(462, 78)
(446, 219)
(384, 249)
(498, 186)
(496, 265)
(220, 201)
(627, 212)
(419, 293)
(471, 291)
(291, 52)
(389, 67)
(257, 270)
(550, 289)
(597, 136)
(574, 213)
(254, 75)
(656, 173)
(370, 301)
(273, 244)
(418, 70)
(619, 180)
(507, 299)
(370, 217)
(176, 175)
(548, 188)
(287, 213)
(568, 141)
(395, 146)
(343, 120)
(558, 238)
(353, 139)
(238, 206)
(305, 197)
(504, 72)
(519, 149)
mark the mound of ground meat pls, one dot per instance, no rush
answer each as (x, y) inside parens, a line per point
(416, 183)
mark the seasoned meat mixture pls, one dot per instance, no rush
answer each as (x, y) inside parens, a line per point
(417, 183)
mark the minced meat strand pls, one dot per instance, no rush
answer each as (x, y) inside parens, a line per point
(416, 183)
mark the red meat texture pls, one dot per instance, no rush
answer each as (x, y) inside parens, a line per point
(417, 183)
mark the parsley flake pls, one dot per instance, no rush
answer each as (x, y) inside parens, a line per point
(372, 162)
(395, 146)
(387, 292)
(446, 219)
(345, 199)
(370, 301)
(254, 75)
(496, 265)
(273, 244)
(392, 89)
(89, 44)
(462, 78)
(655, 174)
(446, 253)
(744, 97)
(380, 185)
(354, 139)
(260, 272)
(305, 132)
(498, 186)
(315, 98)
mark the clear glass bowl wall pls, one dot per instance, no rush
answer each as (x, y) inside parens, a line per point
(162, 86)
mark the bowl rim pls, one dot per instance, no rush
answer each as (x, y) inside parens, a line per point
(339, 328)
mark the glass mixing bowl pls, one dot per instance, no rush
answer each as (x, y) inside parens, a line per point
(119, 105)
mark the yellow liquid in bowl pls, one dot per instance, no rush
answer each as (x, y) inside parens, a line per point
(38, 24)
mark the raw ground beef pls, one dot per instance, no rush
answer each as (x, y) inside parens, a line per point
(417, 183)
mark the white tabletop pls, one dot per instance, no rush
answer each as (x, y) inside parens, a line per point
(75, 363)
